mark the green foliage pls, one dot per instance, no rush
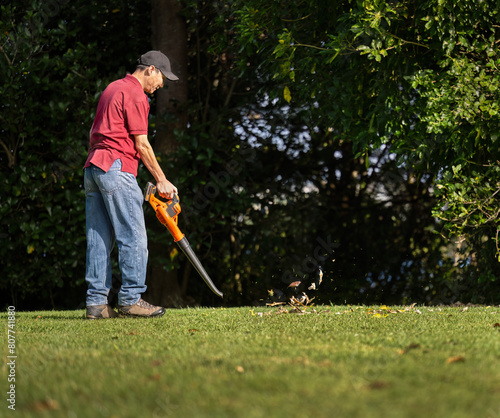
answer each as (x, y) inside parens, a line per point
(471, 215)
(419, 78)
(309, 122)
(52, 68)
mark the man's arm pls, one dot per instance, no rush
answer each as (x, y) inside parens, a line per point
(163, 186)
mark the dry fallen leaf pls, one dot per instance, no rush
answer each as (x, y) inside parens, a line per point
(455, 359)
(46, 405)
(497, 325)
(378, 384)
(275, 304)
(412, 346)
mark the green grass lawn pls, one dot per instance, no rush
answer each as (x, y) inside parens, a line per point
(339, 361)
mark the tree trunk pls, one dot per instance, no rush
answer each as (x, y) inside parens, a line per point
(168, 36)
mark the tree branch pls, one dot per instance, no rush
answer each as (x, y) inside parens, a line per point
(10, 156)
(5, 55)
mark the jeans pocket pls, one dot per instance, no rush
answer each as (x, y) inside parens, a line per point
(110, 182)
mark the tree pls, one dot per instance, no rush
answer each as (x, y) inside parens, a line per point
(316, 131)
(416, 78)
(169, 35)
(55, 59)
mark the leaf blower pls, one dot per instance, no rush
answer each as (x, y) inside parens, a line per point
(167, 213)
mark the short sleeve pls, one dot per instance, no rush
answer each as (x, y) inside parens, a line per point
(136, 117)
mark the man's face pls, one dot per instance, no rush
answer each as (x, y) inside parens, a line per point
(154, 80)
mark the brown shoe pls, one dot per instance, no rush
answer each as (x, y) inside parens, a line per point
(141, 308)
(100, 312)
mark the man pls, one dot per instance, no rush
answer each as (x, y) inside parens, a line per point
(114, 200)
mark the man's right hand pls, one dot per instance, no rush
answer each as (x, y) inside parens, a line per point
(166, 189)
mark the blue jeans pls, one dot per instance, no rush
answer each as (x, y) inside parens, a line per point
(114, 212)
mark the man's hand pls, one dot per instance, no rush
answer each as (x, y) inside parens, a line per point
(166, 189)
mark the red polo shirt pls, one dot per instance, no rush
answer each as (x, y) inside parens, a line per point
(122, 112)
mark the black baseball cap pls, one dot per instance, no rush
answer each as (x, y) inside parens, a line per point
(160, 61)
